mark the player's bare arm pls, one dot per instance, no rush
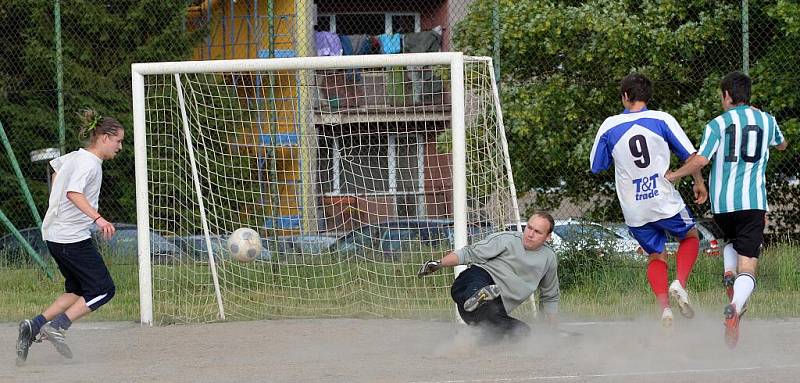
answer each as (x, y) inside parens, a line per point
(80, 201)
(691, 166)
(699, 188)
(783, 145)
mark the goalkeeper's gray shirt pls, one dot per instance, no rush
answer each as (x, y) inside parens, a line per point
(518, 272)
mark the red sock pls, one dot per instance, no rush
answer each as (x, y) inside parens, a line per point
(657, 276)
(686, 256)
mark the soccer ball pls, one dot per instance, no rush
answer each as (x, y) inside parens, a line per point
(244, 244)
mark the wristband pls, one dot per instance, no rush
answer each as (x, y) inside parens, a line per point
(98, 217)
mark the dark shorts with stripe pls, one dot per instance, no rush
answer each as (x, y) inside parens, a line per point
(492, 314)
(744, 229)
(85, 273)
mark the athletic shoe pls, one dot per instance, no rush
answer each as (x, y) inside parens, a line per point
(666, 318)
(727, 280)
(679, 294)
(731, 325)
(486, 293)
(56, 337)
(24, 341)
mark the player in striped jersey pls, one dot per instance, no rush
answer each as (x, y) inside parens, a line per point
(640, 142)
(738, 141)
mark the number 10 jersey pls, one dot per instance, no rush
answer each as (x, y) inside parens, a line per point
(739, 142)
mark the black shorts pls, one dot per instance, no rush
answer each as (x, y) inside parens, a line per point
(85, 273)
(744, 229)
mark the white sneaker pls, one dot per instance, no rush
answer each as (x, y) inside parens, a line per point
(56, 337)
(666, 318)
(679, 294)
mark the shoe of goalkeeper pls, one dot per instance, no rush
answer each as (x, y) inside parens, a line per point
(486, 293)
(24, 341)
(56, 337)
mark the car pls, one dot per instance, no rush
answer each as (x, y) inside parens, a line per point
(11, 250)
(195, 246)
(122, 245)
(587, 233)
(710, 239)
(706, 229)
(305, 244)
(395, 237)
(583, 234)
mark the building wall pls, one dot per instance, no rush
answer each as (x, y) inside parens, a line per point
(239, 30)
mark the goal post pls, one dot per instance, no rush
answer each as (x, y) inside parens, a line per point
(353, 169)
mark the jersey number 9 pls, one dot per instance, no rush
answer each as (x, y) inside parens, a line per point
(638, 146)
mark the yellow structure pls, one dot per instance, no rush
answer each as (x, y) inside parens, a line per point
(239, 29)
(244, 29)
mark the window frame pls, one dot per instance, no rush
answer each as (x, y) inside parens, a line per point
(387, 19)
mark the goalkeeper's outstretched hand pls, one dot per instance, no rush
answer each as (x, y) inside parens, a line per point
(429, 268)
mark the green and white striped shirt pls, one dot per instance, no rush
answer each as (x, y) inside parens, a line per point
(739, 141)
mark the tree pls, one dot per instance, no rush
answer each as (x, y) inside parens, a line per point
(100, 41)
(561, 62)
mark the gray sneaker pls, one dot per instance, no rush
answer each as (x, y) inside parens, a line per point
(56, 337)
(486, 293)
(24, 341)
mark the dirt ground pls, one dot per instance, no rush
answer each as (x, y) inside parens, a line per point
(353, 350)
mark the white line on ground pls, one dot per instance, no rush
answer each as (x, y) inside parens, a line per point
(612, 375)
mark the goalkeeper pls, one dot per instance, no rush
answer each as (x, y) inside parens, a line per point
(504, 270)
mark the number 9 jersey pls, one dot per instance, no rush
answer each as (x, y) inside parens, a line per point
(640, 144)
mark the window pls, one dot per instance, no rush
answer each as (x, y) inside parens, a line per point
(376, 164)
(402, 23)
(369, 23)
(324, 23)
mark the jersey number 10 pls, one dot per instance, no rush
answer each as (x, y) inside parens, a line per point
(730, 151)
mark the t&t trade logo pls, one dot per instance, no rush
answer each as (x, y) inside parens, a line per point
(646, 187)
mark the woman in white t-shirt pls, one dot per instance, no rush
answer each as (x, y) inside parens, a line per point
(71, 212)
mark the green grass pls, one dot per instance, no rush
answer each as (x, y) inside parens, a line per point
(331, 286)
(26, 292)
(620, 290)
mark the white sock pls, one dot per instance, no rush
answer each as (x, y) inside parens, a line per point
(742, 288)
(730, 258)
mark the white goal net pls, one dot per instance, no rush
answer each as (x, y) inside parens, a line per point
(353, 170)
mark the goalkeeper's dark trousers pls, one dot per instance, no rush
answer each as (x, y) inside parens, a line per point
(491, 315)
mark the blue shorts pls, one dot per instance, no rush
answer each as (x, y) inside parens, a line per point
(652, 236)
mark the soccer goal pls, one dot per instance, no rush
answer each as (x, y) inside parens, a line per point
(353, 170)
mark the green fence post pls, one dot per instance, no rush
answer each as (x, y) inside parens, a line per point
(20, 179)
(59, 75)
(25, 245)
(745, 38)
(497, 41)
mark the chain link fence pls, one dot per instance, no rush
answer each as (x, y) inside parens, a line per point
(559, 65)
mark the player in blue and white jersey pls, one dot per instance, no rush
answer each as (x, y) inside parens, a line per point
(738, 141)
(639, 142)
